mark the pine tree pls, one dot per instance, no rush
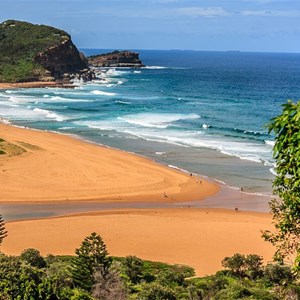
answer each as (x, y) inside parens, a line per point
(3, 232)
(92, 256)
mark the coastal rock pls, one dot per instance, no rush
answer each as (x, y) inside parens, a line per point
(116, 59)
(61, 59)
(38, 53)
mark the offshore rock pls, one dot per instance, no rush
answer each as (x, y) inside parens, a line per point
(116, 59)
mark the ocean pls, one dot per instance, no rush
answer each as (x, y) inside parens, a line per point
(202, 112)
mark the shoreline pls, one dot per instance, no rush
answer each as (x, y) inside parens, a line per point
(34, 84)
(162, 182)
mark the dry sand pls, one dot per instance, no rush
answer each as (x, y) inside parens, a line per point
(32, 84)
(200, 238)
(56, 167)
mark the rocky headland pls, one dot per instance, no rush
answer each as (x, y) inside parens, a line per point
(39, 53)
(116, 59)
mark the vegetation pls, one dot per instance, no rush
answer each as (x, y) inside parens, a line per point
(286, 209)
(31, 276)
(10, 149)
(92, 257)
(3, 232)
(20, 42)
(1, 150)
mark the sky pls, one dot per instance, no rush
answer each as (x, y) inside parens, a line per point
(239, 25)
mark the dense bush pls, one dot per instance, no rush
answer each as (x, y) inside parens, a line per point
(31, 276)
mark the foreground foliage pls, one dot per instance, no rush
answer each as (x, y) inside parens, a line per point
(94, 275)
(286, 209)
(3, 232)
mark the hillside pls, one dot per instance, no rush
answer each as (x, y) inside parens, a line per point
(36, 52)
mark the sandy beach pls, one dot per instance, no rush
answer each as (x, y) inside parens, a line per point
(32, 84)
(57, 167)
(200, 238)
(53, 168)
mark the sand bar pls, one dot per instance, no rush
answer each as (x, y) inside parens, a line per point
(197, 237)
(56, 167)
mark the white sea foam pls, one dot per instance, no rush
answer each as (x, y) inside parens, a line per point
(21, 99)
(123, 102)
(177, 168)
(162, 120)
(113, 72)
(205, 126)
(49, 114)
(4, 121)
(120, 82)
(271, 143)
(102, 93)
(137, 72)
(160, 153)
(272, 170)
(154, 67)
(155, 127)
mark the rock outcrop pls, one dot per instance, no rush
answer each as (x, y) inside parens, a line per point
(38, 53)
(116, 59)
(63, 58)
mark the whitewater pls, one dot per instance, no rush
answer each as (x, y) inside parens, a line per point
(203, 112)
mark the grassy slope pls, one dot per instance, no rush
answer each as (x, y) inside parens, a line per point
(19, 43)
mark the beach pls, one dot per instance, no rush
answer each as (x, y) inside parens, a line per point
(30, 84)
(200, 238)
(55, 168)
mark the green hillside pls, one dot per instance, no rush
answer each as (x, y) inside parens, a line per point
(22, 42)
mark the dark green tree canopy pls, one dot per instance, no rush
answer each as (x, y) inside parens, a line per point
(91, 257)
(286, 208)
(3, 232)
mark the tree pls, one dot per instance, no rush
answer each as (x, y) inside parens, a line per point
(156, 291)
(133, 268)
(3, 232)
(33, 257)
(253, 264)
(279, 274)
(92, 256)
(236, 264)
(110, 287)
(286, 209)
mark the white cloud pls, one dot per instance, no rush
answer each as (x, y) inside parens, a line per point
(203, 11)
(271, 13)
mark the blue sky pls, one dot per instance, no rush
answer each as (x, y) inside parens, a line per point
(245, 25)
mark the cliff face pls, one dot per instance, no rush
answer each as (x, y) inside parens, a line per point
(36, 52)
(116, 59)
(62, 58)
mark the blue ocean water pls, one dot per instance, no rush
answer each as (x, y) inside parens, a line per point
(204, 112)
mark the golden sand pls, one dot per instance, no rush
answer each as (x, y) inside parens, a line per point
(200, 238)
(59, 168)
